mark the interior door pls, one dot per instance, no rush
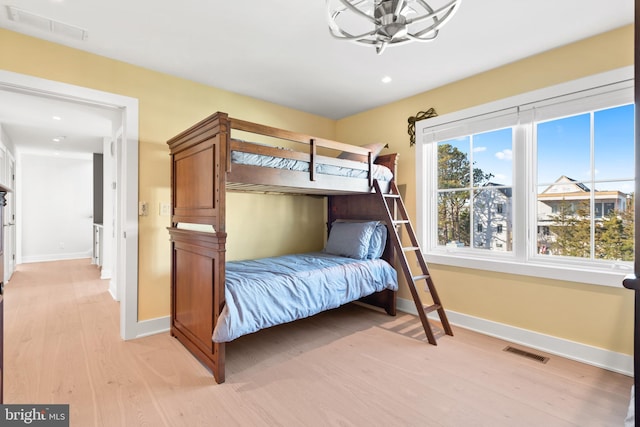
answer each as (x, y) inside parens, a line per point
(9, 222)
(633, 280)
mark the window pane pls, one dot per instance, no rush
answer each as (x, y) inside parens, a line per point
(492, 152)
(453, 218)
(492, 219)
(454, 166)
(560, 140)
(564, 219)
(614, 228)
(597, 210)
(614, 143)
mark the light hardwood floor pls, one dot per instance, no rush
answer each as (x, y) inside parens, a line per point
(348, 367)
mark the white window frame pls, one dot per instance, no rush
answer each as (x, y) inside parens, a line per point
(523, 260)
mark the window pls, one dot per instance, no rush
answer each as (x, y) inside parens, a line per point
(590, 219)
(543, 180)
(469, 177)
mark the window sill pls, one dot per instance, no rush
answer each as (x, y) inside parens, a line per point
(611, 277)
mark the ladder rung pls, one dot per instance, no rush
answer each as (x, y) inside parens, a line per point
(391, 196)
(430, 308)
(411, 248)
(422, 277)
(401, 221)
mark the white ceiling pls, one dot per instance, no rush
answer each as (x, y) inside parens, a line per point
(281, 50)
(56, 125)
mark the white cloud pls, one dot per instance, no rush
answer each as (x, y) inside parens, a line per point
(479, 149)
(505, 154)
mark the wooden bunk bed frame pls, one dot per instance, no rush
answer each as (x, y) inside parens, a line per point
(202, 172)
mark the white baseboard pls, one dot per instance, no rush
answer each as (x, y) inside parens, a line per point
(113, 290)
(105, 273)
(153, 326)
(53, 257)
(606, 359)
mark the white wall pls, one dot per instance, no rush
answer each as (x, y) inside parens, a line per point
(56, 206)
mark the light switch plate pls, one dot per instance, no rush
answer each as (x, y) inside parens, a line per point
(165, 209)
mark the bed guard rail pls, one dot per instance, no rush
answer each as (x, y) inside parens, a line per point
(312, 142)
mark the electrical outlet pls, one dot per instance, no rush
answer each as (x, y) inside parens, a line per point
(143, 209)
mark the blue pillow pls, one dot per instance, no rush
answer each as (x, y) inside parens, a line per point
(350, 239)
(378, 241)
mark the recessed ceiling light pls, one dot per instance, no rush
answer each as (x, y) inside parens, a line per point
(58, 138)
(386, 79)
(56, 118)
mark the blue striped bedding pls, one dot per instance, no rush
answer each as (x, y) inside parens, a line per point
(379, 172)
(271, 291)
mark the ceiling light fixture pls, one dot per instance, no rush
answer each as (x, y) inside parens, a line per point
(394, 22)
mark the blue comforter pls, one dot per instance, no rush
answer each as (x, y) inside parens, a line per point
(270, 291)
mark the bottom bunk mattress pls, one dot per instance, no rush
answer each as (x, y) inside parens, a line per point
(271, 291)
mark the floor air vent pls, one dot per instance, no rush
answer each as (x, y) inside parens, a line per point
(528, 354)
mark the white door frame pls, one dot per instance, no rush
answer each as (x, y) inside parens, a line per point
(129, 325)
(10, 219)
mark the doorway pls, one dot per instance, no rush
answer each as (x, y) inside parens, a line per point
(125, 258)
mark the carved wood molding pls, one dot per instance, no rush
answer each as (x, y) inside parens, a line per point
(421, 115)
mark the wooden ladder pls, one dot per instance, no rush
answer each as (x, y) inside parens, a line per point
(397, 218)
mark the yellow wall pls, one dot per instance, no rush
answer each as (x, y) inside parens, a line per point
(259, 226)
(589, 314)
(593, 315)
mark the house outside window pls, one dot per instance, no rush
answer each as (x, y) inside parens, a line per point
(545, 179)
(467, 178)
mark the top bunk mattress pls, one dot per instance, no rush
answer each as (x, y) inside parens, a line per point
(379, 172)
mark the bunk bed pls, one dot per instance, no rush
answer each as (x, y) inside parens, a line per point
(215, 156)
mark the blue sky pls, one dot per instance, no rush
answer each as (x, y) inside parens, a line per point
(564, 149)
(491, 152)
